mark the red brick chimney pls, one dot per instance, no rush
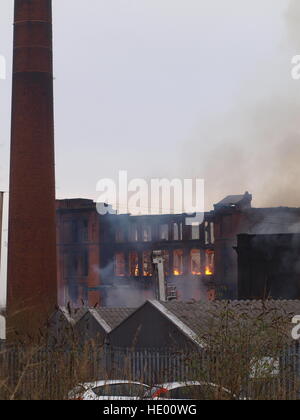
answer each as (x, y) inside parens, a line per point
(32, 283)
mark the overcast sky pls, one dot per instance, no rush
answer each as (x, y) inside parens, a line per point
(172, 88)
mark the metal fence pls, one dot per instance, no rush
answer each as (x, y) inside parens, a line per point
(51, 374)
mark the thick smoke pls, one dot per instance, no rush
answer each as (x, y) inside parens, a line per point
(256, 146)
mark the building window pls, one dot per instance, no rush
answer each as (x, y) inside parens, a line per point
(146, 234)
(178, 262)
(71, 265)
(195, 262)
(134, 264)
(209, 233)
(120, 264)
(212, 232)
(147, 264)
(209, 262)
(85, 230)
(120, 235)
(133, 233)
(177, 231)
(85, 263)
(195, 232)
(164, 232)
(70, 231)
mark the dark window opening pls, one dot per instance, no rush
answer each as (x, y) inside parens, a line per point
(120, 264)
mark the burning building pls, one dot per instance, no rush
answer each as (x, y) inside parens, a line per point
(269, 266)
(108, 259)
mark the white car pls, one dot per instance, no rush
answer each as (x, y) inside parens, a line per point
(190, 390)
(110, 390)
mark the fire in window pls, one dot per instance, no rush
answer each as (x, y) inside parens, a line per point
(209, 262)
(134, 264)
(178, 262)
(147, 264)
(120, 264)
(196, 262)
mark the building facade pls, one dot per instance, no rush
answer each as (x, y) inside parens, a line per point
(107, 260)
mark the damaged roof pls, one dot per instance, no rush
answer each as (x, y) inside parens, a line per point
(232, 200)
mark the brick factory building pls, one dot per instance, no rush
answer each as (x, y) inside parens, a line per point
(107, 259)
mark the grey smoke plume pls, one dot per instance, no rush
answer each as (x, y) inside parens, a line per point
(256, 146)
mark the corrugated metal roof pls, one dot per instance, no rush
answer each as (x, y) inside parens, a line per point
(113, 316)
(202, 318)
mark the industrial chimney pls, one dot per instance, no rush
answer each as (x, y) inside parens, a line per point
(32, 284)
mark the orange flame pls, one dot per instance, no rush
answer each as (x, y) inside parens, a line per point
(208, 271)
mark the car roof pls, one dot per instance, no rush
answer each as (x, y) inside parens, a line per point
(111, 382)
(173, 385)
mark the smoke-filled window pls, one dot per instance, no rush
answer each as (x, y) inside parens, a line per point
(133, 232)
(178, 262)
(209, 233)
(120, 235)
(177, 231)
(164, 232)
(195, 232)
(209, 262)
(212, 232)
(134, 264)
(147, 264)
(195, 258)
(120, 264)
(146, 233)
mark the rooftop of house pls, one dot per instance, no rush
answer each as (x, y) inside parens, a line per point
(203, 318)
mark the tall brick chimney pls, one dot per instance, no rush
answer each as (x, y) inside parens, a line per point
(32, 276)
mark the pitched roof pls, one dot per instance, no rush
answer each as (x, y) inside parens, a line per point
(112, 317)
(204, 318)
(70, 315)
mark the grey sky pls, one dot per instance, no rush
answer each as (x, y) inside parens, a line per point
(172, 88)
